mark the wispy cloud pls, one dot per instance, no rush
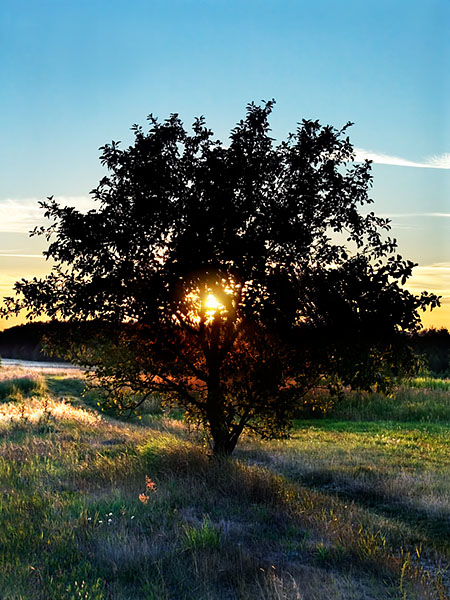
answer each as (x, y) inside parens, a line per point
(433, 278)
(396, 226)
(21, 216)
(421, 214)
(433, 162)
(439, 162)
(6, 254)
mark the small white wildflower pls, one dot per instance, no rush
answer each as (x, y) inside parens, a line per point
(109, 521)
(109, 515)
(132, 517)
(89, 518)
(100, 522)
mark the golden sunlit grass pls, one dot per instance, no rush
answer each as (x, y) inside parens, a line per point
(97, 508)
(35, 410)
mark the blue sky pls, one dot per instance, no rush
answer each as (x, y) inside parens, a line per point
(75, 75)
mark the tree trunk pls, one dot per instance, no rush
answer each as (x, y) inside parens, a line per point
(223, 448)
(224, 441)
(224, 438)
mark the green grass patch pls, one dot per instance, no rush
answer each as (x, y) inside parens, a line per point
(17, 388)
(405, 405)
(430, 383)
(203, 536)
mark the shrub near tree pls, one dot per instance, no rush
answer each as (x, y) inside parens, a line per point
(232, 279)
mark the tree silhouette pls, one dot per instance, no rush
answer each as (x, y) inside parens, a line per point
(230, 278)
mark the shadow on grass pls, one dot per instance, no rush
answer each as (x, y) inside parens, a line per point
(222, 521)
(69, 387)
(435, 528)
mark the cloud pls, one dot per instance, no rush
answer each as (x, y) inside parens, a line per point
(432, 278)
(439, 162)
(396, 226)
(421, 214)
(433, 162)
(5, 254)
(21, 216)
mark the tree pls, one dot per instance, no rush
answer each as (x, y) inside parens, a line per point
(231, 278)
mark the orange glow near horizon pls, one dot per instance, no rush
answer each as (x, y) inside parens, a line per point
(439, 317)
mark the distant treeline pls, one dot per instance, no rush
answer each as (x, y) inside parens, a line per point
(434, 346)
(25, 342)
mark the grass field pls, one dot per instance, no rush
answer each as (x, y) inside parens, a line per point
(355, 506)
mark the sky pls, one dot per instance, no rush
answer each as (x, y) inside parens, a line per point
(76, 75)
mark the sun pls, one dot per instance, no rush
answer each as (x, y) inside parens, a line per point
(211, 302)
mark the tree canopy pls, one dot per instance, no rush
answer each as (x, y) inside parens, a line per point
(232, 278)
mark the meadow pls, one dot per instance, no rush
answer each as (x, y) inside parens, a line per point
(355, 506)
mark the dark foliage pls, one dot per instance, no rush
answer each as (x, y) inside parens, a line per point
(306, 281)
(434, 346)
(25, 342)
